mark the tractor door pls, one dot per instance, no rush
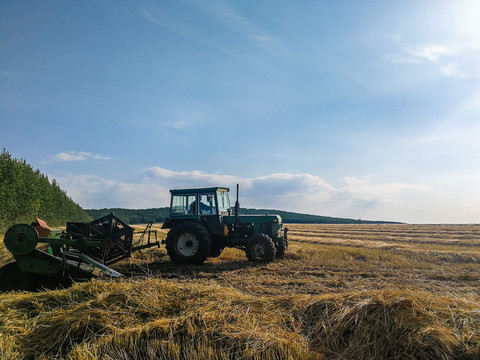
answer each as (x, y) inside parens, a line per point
(208, 211)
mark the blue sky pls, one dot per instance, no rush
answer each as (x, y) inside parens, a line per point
(362, 109)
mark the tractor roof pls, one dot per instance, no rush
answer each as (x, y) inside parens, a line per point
(198, 190)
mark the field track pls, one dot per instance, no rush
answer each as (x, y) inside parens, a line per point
(341, 292)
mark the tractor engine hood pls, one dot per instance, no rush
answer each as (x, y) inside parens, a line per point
(253, 219)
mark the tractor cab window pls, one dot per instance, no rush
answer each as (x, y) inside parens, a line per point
(207, 204)
(223, 201)
(183, 205)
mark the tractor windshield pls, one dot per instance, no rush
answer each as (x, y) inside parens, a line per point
(183, 204)
(207, 204)
(223, 201)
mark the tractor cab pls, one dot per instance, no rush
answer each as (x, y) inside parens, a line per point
(205, 201)
(204, 205)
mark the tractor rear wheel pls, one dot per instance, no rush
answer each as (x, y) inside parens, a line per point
(188, 242)
(260, 248)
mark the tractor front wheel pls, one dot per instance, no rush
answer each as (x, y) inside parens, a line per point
(281, 247)
(188, 242)
(260, 248)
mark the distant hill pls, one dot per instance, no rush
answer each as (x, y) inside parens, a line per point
(26, 193)
(157, 215)
(293, 217)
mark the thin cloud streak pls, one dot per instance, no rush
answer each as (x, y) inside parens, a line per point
(182, 30)
(246, 32)
(233, 21)
(78, 156)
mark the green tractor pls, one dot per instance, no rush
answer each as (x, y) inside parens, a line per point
(202, 224)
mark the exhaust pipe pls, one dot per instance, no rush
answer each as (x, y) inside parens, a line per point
(237, 210)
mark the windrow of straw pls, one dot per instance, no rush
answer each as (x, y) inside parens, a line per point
(161, 319)
(393, 324)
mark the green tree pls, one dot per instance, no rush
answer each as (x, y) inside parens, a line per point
(26, 193)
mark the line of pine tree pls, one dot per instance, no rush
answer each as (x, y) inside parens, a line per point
(26, 193)
(133, 216)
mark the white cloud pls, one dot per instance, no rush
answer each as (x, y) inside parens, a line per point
(92, 191)
(449, 40)
(274, 187)
(359, 198)
(429, 52)
(458, 60)
(187, 179)
(78, 156)
(417, 53)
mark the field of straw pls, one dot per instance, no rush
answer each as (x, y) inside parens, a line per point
(341, 292)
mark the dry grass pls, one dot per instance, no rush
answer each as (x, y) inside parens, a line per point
(342, 292)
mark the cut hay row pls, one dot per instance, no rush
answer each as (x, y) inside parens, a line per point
(455, 231)
(365, 236)
(155, 318)
(390, 238)
(392, 245)
(398, 233)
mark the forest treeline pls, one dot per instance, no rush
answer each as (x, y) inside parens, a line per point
(132, 216)
(158, 215)
(26, 193)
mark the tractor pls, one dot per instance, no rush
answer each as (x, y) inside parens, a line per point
(202, 224)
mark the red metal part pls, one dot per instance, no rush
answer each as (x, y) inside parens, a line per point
(42, 228)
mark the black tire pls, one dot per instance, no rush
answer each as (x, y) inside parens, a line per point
(281, 245)
(12, 278)
(260, 248)
(188, 242)
(216, 251)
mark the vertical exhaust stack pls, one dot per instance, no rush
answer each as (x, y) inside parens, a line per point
(237, 210)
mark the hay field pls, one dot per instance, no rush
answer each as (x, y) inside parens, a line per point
(341, 292)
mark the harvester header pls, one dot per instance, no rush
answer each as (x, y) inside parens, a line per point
(84, 250)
